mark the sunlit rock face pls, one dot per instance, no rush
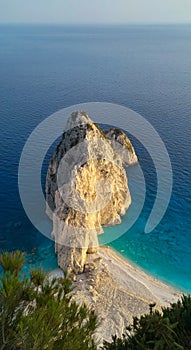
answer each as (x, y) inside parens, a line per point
(86, 188)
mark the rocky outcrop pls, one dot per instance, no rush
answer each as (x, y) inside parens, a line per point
(86, 188)
(121, 143)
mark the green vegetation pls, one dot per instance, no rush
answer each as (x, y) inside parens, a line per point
(12, 263)
(38, 313)
(169, 330)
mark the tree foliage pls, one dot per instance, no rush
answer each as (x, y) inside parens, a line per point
(38, 313)
(12, 262)
(169, 330)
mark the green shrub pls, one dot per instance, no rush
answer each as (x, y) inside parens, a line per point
(169, 330)
(38, 313)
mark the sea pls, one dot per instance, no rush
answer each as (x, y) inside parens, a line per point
(44, 68)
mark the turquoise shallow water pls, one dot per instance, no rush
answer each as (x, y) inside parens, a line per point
(148, 69)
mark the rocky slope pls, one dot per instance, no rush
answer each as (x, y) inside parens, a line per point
(86, 187)
(117, 291)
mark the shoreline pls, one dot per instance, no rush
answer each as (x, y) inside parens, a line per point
(117, 290)
(140, 269)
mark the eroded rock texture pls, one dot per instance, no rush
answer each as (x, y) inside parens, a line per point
(86, 187)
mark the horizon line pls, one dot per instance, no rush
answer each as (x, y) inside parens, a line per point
(96, 24)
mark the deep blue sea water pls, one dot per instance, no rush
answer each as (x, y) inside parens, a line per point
(146, 68)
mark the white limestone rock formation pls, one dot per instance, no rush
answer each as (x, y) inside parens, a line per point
(86, 188)
(121, 143)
